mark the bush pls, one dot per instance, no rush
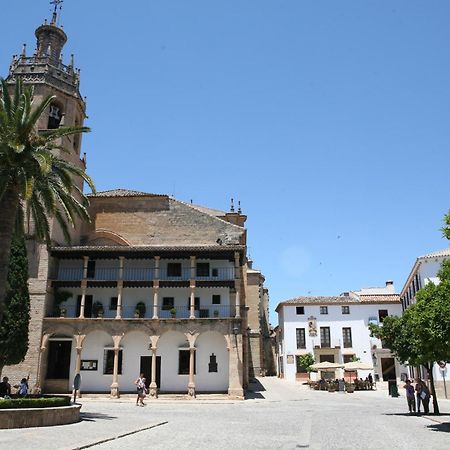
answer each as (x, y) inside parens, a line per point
(43, 402)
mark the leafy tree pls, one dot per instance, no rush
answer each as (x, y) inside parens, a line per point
(16, 318)
(421, 336)
(306, 361)
(355, 359)
(32, 178)
(446, 229)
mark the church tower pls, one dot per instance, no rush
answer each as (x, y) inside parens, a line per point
(46, 72)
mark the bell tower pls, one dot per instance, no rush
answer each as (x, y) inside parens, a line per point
(49, 75)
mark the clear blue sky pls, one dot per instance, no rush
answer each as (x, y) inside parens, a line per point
(328, 119)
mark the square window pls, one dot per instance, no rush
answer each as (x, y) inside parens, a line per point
(215, 272)
(203, 270)
(167, 303)
(345, 309)
(348, 358)
(300, 310)
(108, 362)
(174, 269)
(382, 313)
(300, 336)
(347, 337)
(324, 310)
(183, 362)
(216, 299)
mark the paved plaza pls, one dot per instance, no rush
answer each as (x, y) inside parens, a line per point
(279, 415)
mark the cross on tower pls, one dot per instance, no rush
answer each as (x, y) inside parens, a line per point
(56, 3)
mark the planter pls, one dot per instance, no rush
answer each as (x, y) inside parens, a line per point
(62, 312)
(216, 313)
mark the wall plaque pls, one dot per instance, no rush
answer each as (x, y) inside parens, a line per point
(89, 364)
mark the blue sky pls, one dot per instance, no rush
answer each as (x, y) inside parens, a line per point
(328, 119)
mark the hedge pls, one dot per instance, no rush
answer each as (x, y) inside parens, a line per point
(43, 402)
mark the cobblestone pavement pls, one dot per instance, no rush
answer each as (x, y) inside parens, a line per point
(278, 415)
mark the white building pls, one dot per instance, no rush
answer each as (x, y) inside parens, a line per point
(424, 271)
(335, 329)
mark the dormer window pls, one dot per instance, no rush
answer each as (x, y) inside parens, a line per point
(54, 117)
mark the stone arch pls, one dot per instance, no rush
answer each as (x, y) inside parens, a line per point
(103, 236)
(212, 362)
(95, 345)
(169, 345)
(134, 345)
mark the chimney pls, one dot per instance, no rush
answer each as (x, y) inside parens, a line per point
(389, 283)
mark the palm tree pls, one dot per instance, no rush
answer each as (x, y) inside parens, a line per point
(34, 182)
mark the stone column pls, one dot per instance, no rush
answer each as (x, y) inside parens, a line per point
(157, 274)
(83, 286)
(79, 339)
(38, 387)
(119, 299)
(155, 300)
(192, 302)
(153, 386)
(235, 370)
(237, 284)
(115, 380)
(191, 383)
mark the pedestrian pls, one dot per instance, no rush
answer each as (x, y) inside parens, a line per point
(418, 390)
(410, 396)
(23, 387)
(425, 395)
(141, 390)
(5, 388)
(370, 378)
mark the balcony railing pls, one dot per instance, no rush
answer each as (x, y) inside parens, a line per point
(205, 312)
(221, 273)
(183, 275)
(128, 312)
(143, 274)
(104, 274)
(138, 274)
(70, 273)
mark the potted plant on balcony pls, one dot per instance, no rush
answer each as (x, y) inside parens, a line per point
(97, 309)
(216, 313)
(61, 297)
(173, 312)
(139, 312)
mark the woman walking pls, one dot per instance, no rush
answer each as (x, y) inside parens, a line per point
(141, 390)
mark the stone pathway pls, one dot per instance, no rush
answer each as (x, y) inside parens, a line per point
(277, 415)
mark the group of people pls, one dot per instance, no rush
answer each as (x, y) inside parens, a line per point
(5, 388)
(419, 393)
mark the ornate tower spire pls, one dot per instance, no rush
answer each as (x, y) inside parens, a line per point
(50, 37)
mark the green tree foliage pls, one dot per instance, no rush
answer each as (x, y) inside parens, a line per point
(306, 361)
(446, 229)
(16, 318)
(421, 336)
(34, 181)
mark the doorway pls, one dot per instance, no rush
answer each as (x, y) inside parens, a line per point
(146, 369)
(87, 306)
(388, 369)
(58, 364)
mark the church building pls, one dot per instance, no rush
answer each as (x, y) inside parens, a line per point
(152, 285)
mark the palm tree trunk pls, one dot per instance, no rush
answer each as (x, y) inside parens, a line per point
(9, 204)
(429, 367)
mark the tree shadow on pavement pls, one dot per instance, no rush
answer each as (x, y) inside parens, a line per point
(93, 417)
(444, 427)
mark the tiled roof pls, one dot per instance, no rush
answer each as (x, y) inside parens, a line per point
(380, 298)
(210, 211)
(143, 248)
(444, 252)
(124, 193)
(351, 299)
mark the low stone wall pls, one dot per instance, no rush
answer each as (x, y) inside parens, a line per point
(39, 417)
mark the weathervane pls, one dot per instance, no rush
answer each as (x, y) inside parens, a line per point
(56, 3)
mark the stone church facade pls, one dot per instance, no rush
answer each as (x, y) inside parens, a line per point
(152, 285)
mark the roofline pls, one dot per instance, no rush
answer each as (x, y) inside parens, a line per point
(354, 301)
